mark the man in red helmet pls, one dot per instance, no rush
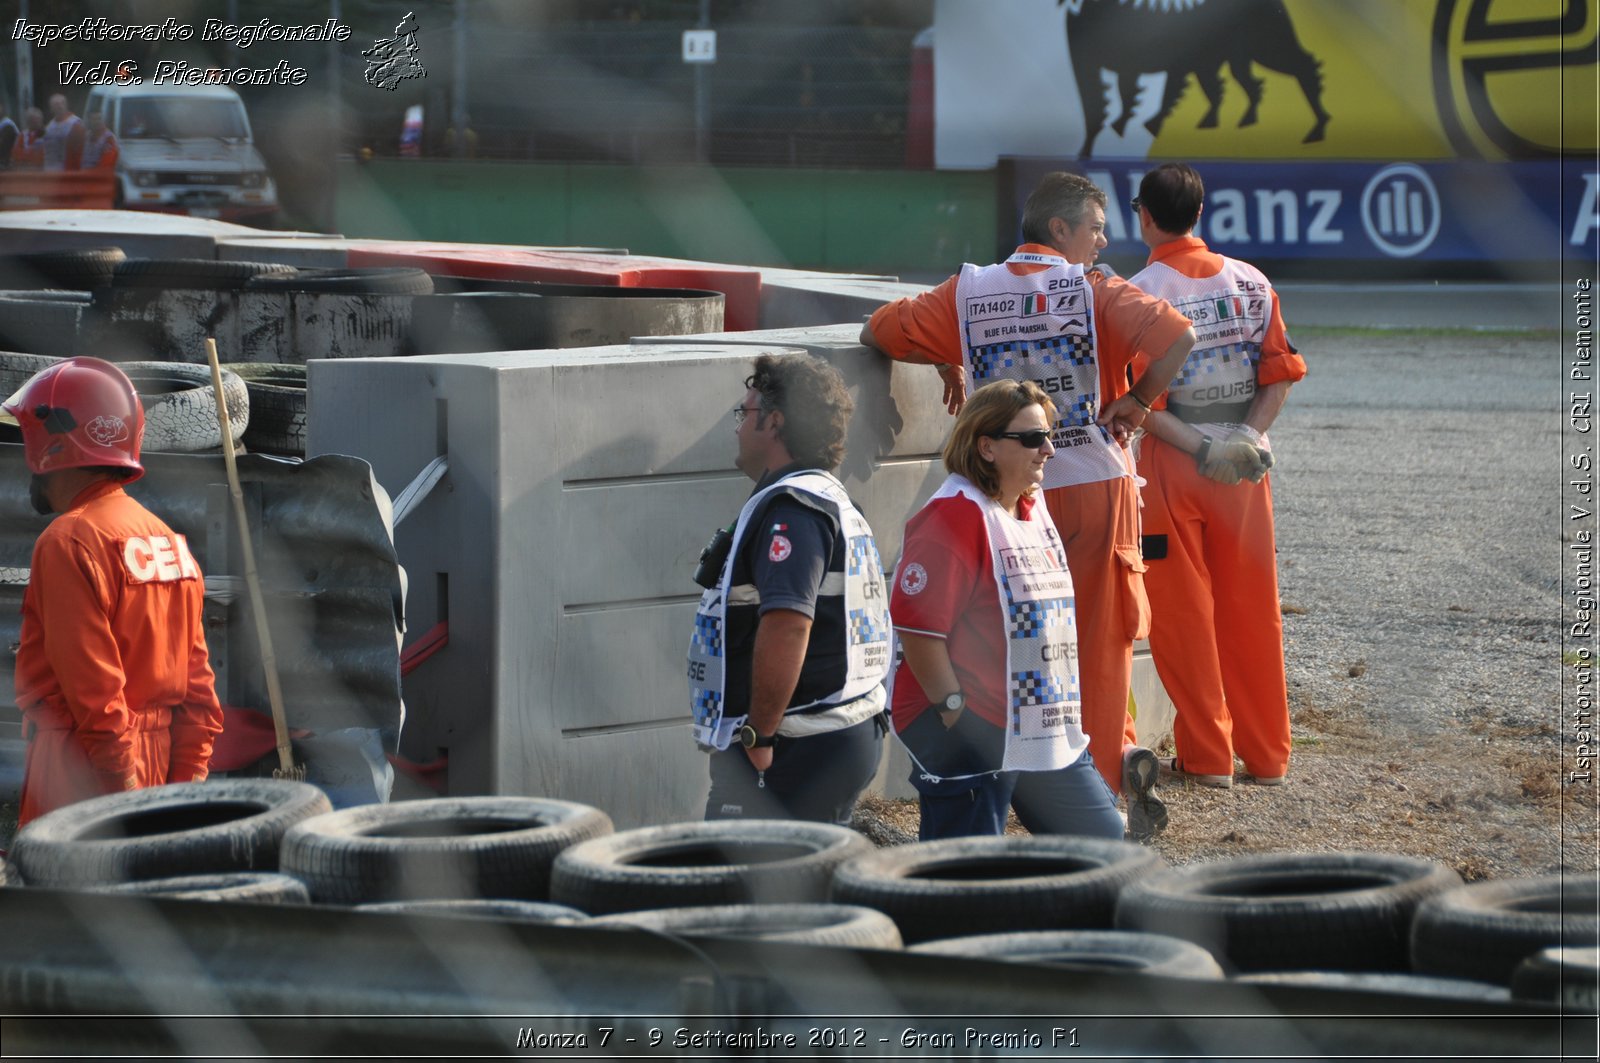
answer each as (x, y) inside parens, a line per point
(113, 678)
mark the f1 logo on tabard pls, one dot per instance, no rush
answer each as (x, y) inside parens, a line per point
(1400, 210)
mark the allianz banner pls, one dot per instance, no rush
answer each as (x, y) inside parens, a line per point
(1264, 79)
(1462, 212)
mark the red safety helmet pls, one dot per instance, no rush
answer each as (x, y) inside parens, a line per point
(79, 413)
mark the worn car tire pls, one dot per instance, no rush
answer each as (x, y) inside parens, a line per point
(992, 885)
(1291, 911)
(751, 861)
(836, 925)
(483, 908)
(375, 280)
(180, 829)
(1485, 930)
(250, 887)
(277, 406)
(1566, 977)
(194, 273)
(1086, 950)
(16, 369)
(1386, 982)
(438, 849)
(180, 406)
(88, 268)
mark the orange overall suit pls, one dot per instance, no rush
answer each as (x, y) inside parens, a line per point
(1212, 575)
(1098, 522)
(112, 673)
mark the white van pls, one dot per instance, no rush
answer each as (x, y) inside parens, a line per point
(185, 150)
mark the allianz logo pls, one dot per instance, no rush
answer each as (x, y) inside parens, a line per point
(1400, 210)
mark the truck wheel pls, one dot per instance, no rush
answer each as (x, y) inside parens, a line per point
(439, 848)
(180, 405)
(1086, 950)
(838, 925)
(254, 887)
(179, 829)
(995, 884)
(1484, 930)
(1290, 911)
(376, 280)
(717, 862)
(277, 406)
(201, 273)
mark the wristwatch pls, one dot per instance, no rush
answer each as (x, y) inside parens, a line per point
(953, 703)
(750, 738)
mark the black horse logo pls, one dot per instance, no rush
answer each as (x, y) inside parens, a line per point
(1180, 37)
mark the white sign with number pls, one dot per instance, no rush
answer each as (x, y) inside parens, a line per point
(699, 46)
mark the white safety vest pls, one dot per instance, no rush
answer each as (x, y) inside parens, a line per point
(867, 632)
(1044, 700)
(1231, 312)
(1040, 327)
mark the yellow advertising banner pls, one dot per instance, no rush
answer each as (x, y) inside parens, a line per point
(1292, 80)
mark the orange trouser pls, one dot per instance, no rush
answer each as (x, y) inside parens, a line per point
(1217, 629)
(58, 772)
(1099, 526)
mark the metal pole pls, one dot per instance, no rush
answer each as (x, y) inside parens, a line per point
(336, 121)
(702, 95)
(233, 20)
(24, 71)
(458, 92)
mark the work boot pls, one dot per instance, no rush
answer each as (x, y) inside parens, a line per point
(1147, 813)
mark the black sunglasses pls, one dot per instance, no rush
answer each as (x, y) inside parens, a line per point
(1135, 204)
(1033, 439)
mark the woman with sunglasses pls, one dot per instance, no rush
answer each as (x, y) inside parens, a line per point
(987, 699)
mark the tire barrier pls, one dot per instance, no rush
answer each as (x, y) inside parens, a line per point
(679, 865)
(837, 925)
(203, 274)
(445, 848)
(248, 887)
(17, 368)
(483, 908)
(1086, 950)
(85, 269)
(1566, 977)
(1291, 911)
(8, 874)
(163, 831)
(180, 406)
(1386, 982)
(1485, 930)
(472, 316)
(376, 280)
(993, 885)
(277, 393)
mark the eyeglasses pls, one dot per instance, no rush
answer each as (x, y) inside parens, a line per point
(741, 412)
(1134, 203)
(1033, 439)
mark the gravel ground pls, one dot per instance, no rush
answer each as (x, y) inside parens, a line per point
(1419, 551)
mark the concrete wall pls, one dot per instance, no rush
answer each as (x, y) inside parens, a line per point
(582, 487)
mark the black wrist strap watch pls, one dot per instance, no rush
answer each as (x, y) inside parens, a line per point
(952, 704)
(750, 738)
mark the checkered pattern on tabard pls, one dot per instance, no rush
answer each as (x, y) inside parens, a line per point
(707, 636)
(1030, 619)
(1202, 364)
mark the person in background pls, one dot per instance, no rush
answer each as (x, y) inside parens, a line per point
(100, 149)
(63, 137)
(8, 135)
(112, 673)
(987, 698)
(1042, 316)
(1217, 631)
(791, 642)
(28, 152)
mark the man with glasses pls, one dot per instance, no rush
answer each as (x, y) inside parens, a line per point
(791, 641)
(1217, 632)
(1042, 316)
